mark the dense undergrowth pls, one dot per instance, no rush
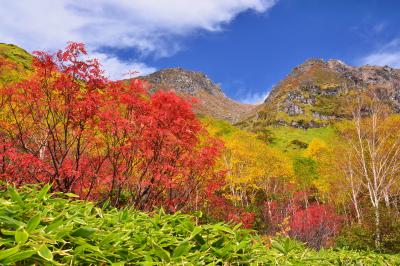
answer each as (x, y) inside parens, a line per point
(52, 228)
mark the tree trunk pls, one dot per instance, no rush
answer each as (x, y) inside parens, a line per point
(358, 213)
(377, 228)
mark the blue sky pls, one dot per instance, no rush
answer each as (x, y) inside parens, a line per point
(246, 46)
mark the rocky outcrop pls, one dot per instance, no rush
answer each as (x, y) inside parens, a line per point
(183, 81)
(211, 100)
(318, 92)
(319, 116)
(293, 109)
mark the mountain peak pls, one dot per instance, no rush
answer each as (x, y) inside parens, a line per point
(337, 64)
(333, 64)
(212, 101)
(184, 81)
(317, 91)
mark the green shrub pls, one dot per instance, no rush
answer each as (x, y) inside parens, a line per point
(356, 237)
(44, 228)
(361, 237)
(41, 227)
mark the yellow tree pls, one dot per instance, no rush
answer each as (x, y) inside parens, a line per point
(336, 182)
(251, 165)
(372, 154)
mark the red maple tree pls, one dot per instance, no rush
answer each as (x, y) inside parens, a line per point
(69, 126)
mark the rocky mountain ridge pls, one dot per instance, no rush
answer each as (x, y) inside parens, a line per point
(313, 94)
(211, 100)
(317, 92)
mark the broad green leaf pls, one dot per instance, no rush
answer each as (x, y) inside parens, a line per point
(223, 228)
(196, 231)
(99, 212)
(161, 253)
(198, 214)
(7, 232)
(43, 192)
(33, 223)
(124, 215)
(83, 232)
(54, 225)
(22, 255)
(242, 245)
(181, 249)
(71, 195)
(218, 243)
(21, 236)
(106, 204)
(279, 247)
(15, 195)
(45, 253)
(5, 202)
(199, 239)
(11, 222)
(8, 252)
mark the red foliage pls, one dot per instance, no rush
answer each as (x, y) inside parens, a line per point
(315, 225)
(71, 127)
(284, 202)
(245, 218)
(312, 223)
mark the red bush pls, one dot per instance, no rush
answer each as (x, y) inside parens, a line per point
(314, 225)
(70, 126)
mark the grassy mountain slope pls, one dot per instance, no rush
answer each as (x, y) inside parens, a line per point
(20, 62)
(294, 141)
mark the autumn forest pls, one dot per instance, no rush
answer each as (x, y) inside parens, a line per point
(83, 157)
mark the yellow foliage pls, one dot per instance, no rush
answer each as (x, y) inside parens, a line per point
(249, 161)
(316, 148)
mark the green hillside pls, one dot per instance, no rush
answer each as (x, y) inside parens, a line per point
(19, 62)
(294, 141)
(289, 140)
(16, 54)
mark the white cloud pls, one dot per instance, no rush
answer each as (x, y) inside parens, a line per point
(382, 59)
(116, 69)
(389, 55)
(152, 27)
(255, 98)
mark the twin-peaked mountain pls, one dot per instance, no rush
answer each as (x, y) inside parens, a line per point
(312, 95)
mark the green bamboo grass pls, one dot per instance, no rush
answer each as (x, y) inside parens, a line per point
(56, 229)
